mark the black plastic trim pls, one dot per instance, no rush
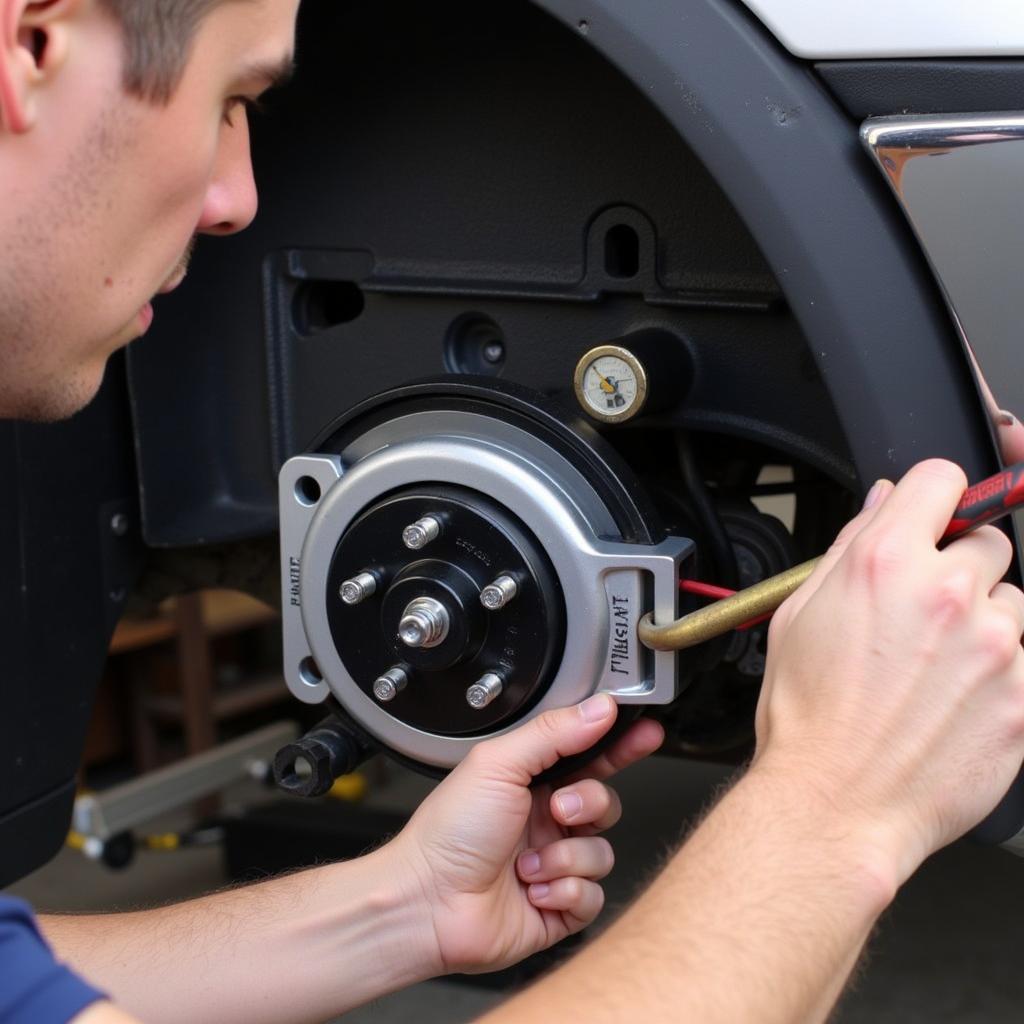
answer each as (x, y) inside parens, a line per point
(867, 88)
(790, 162)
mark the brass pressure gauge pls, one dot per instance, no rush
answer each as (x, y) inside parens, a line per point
(611, 384)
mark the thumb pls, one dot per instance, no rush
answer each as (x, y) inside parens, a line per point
(534, 747)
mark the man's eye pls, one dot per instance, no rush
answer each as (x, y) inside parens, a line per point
(231, 108)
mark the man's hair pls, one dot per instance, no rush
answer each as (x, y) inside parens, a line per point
(158, 36)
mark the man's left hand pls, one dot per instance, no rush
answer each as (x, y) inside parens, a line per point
(508, 870)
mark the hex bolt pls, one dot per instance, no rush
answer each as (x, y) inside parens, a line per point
(359, 588)
(421, 533)
(496, 595)
(485, 692)
(425, 623)
(119, 524)
(391, 684)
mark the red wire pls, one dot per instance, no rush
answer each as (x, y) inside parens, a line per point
(710, 590)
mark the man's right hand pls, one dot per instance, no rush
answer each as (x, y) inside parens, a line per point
(895, 682)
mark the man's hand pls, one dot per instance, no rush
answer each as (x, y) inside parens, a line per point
(507, 870)
(895, 684)
(892, 720)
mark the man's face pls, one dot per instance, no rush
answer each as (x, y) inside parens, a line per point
(104, 194)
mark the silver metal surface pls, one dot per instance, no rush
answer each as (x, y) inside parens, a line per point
(357, 590)
(485, 692)
(554, 501)
(420, 534)
(498, 594)
(296, 516)
(425, 623)
(390, 685)
(958, 179)
(122, 808)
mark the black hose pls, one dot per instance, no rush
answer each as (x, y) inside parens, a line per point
(725, 569)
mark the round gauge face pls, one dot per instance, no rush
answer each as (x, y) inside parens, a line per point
(611, 384)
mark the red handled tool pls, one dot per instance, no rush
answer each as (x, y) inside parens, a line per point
(981, 503)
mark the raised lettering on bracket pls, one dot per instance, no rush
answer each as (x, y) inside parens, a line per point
(620, 635)
(295, 578)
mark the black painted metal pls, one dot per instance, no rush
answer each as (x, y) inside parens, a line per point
(789, 161)
(447, 160)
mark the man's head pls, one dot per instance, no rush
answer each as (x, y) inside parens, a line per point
(123, 134)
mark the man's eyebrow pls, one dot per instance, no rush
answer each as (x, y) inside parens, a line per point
(269, 74)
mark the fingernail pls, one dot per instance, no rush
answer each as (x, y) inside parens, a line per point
(570, 804)
(1006, 418)
(873, 495)
(596, 708)
(529, 863)
(539, 891)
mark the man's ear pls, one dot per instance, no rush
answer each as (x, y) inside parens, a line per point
(34, 40)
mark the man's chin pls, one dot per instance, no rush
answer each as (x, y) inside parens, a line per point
(60, 401)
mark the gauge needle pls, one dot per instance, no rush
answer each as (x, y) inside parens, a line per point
(607, 386)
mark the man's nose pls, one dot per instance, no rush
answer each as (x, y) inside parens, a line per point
(231, 199)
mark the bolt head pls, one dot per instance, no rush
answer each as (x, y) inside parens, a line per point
(420, 534)
(119, 524)
(496, 595)
(477, 698)
(385, 690)
(485, 692)
(414, 538)
(413, 633)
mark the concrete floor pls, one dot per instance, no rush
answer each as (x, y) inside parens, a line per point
(946, 952)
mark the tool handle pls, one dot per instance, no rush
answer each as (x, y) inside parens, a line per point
(986, 501)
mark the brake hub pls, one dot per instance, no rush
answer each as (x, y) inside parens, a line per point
(458, 558)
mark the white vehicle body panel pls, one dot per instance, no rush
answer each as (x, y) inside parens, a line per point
(841, 29)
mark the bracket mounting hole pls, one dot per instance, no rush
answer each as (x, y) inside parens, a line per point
(307, 491)
(309, 672)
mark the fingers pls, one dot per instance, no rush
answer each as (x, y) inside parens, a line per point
(987, 550)
(534, 747)
(1012, 599)
(641, 740)
(587, 803)
(579, 900)
(923, 502)
(580, 856)
(1011, 437)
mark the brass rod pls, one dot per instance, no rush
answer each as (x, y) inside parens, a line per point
(727, 614)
